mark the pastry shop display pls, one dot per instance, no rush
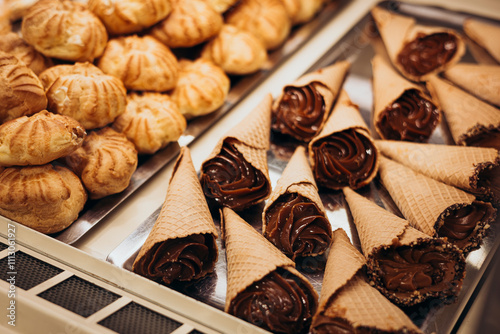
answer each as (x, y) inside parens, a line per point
(485, 40)
(105, 162)
(263, 286)
(65, 30)
(221, 6)
(404, 264)
(472, 122)
(151, 121)
(343, 153)
(142, 63)
(202, 87)
(266, 19)
(473, 169)
(190, 23)
(45, 198)
(236, 174)
(401, 109)
(417, 51)
(103, 100)
(477, 79)
(38, 139)
(236, 51)
(14, 44)
(18, 8)
(435, 208)
(304, 106)
(181, 246)
(348, 303)
(21, 92)
(294, 218)
(129, 16)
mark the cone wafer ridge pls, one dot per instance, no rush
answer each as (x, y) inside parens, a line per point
(484, 34)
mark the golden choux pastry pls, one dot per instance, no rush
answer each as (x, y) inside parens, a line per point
(65, 30)
(307, 9)
(236, 51)
(142, 63)
(38, 139)
(201, 89)
(18, 8)
(13, 43)
(85, 93)
(105, 162)
(151, 121)
(129, 16)
(190, 23)
(5, 25)
(46, 198)
(21, 92)
(266, 19)
(221, 6)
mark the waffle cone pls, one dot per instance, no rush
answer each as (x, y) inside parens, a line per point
(450, 164)
(185, 211)
(331, 77)
(464, 113)
(250, 256)
(480, 54)
(482, 81)
(484, 34)
(428, 198)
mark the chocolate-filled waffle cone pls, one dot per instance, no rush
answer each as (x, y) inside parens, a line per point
(482, 81)
(394, 250)
(306, 225)
(436, 208)
(472, 122)
(402, 110)
(398, 31)
(484, 34)
(252, 259)
(459, 166)
(347, 297)
(250, 139)
(344, 133)
(304, 105)
(184, 225)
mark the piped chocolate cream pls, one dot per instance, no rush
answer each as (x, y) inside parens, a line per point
(279, 302)
(426, 53)
(411, 117)
(297, 227)
(228, 179)
(300, 112)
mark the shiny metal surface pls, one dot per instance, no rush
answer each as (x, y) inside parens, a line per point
(433, 316)
(95, 211)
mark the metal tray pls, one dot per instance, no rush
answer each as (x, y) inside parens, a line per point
(431, 316)
(96, 210)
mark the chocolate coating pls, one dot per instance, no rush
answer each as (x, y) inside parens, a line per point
(489, 179)
(325, 325)
(180, 259)
(427, 52)
(296, 226)
(429, 269)
(487, 137)
(411, 117)
(229, 180)
(280, 302)
(300, 112)
(346, 158)
(460, 223)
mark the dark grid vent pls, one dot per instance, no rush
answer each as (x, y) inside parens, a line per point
(3, 246)
(29, 271)
(79, 296)
(134, 318)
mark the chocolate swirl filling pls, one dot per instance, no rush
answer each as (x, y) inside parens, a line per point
(230, 180)
(411, 117)
(326, 325)
(427, 52)
(345, 158)
(411, 274)
(180, 259)
(296, 226)
(280, 302)
(459, 224)
(300, 112)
